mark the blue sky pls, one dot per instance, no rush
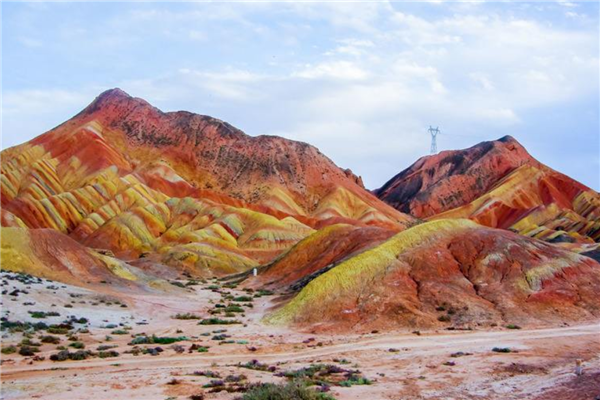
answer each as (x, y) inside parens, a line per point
(361, 81)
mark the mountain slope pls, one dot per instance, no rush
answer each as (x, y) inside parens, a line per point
(185, 190)
(500, 185)
(448, 273)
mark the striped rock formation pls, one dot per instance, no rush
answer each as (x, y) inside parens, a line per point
(498, 184)
(180, 189)
(447, 273)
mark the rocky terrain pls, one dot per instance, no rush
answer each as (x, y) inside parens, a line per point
(498, 184)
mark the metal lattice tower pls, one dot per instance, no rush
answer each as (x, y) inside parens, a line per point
(433, 132)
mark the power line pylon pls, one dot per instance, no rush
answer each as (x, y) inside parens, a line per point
(433, 132)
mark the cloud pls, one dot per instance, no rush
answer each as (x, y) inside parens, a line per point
(333, 70)
(360, 81)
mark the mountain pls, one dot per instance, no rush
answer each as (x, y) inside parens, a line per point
(178, 189)
(447, 273)
(497, 184)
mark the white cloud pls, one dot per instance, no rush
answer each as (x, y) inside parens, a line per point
(360, 81)
(334, 70)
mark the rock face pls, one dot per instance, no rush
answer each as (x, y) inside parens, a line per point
(182, 189)
(448, 273)
(497, 184)
(317, 253)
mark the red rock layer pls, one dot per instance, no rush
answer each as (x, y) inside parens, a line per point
(500, 185)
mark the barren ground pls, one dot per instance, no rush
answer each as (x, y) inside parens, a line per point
(401, 365)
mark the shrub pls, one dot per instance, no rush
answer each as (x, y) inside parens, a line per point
(501, 350)
(107, 354)
(208, 374)
(444, 318)
(50, 339)
(77, 345)
(285, 391)
(9, 350)
(511, 326)
(105, 347)
(258, 366)
(242, 298)
(186, 316)
(234, 308)
(218, 321)
(28, 350)
(167, 340)
(60, 356)
(119, 332)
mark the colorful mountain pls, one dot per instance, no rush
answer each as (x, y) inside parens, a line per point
(447, 273)
(500, 185)
(185, 190)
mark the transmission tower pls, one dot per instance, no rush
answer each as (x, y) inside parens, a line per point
(433, 132)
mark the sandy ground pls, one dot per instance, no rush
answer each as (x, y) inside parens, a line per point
(402, 365)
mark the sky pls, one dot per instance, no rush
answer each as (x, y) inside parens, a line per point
(361, 81)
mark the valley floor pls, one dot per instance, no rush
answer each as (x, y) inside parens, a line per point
(447, 365)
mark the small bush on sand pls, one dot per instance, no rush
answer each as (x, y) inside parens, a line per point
(218, 321)
(50, 339)
(285, 391)
(28, 350)
(186, 316)
(9, 350)
(501, 350)
(107, 354)
(511, 326)
(77, 345)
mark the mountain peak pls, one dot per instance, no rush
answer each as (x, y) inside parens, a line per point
(452, 178)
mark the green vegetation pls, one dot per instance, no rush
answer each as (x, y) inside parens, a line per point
(157, 339)
(218, 321)
(186, 316)
(77, 345)
(285, 391)
(42, 314)
(9, 350)
(242, 298)
(501, 350)
(511, 326)
(106, 354)
(50, 339)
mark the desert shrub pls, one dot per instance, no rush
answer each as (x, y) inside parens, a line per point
(444, 318)
(285, 391)
(512, 326)
(234, 308)
(258, 366)
(50, 339)
(9, 350)
(28, 350)
(460, 354)
(501, 350)
(60, 356)
(42, 314)
(106, 347)
(186, 316)
(77, 345)
(202, 349)
(167, 340)
(208, 374)
(61, 329)
(242, 298)
(107, 354)
(18, 326)
(119, 332)
(218, 321)
(29, 342)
